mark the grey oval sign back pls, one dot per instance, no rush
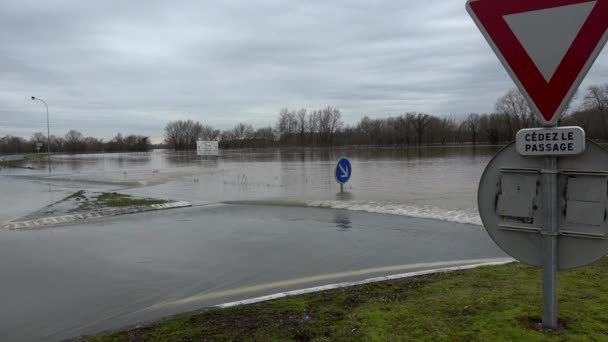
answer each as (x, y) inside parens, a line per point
(510, 205)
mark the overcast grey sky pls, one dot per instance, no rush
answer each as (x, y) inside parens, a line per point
(131, 66)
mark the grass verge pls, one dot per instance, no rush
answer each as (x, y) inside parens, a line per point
(35, 156)
(78, 195)
(498, 303)
(114, 199)
(109, 199)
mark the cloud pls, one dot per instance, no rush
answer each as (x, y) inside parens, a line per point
(131, 66)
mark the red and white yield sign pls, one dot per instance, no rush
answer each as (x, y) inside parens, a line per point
(547, 46)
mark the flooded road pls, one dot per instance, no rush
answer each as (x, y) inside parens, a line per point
(263, 222)
(434, 182)
(86, 278)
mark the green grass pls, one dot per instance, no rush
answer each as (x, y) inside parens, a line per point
(78, 195)
(35, 156)
(498, 303)
(110, 199)
(114, 199)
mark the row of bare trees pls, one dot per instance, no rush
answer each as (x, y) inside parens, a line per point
(305, 127)
(302, 127)
(74, 142)
(324, 126)
(183, 135)
(512, 114)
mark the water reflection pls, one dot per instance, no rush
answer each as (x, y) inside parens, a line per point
(159, 159)
(346, 195)
(342, 217)
(342, 220)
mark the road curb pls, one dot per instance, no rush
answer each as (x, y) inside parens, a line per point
(360, 282)
(106, 212)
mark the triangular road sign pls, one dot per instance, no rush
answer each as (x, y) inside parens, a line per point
(547, 46)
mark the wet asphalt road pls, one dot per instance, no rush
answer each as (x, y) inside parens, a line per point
(63, 282)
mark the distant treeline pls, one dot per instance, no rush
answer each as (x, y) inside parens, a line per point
(325, 126)
(74, 142)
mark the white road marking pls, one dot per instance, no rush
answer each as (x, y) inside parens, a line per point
(438, 268)
(49, 221)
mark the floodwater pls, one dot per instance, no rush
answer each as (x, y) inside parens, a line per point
(86, 278)
(434, 182)
(262, 222)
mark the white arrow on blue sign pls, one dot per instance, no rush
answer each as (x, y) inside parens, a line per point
(343, 171)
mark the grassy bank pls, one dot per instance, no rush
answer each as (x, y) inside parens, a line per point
(498, 303)
(89, 201)
(114, 199)
(35, 156)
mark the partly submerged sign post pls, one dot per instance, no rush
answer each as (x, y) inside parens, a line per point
(547, 47)
(343, 172)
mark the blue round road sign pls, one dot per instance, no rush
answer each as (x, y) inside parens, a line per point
(343, 171)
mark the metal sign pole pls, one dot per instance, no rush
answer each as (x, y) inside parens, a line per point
(550, 232)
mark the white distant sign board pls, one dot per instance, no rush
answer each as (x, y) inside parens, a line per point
(207, 148)
(38, 146)
(561, 141)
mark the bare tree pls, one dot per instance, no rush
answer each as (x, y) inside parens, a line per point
(242, 131)
(472, 122)
(596, 99)
(173, 135)
(406, 125)
(313, 125)
(330, 121)
(365, 130)
(446, 128)
(38, 137)
(73, 141)
(489, 128)
(264, 137)
(192, 131)
(183, 135)
(91, 144)
(244, 135)
(57, 143)
(287, 125)
(301, 119)
(420, 122)
(133, 143)
(208, 133)
(73, 136)
(513, 104)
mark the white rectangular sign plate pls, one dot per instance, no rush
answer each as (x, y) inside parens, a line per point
(207, 148)
(559, 141)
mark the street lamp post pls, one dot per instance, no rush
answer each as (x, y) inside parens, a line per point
(48, 131)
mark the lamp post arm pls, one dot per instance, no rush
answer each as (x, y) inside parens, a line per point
(48, 131)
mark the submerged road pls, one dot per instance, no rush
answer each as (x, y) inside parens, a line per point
(62, 282)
